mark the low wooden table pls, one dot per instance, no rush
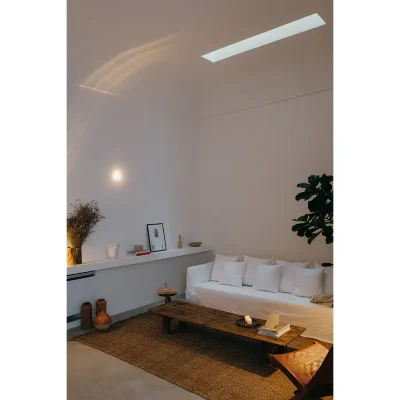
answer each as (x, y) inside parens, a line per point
(219, 320)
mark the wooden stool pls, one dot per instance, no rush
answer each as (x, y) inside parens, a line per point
(167, 293)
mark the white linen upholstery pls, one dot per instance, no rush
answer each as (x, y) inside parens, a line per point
(317, 319)
(195, 275)
(286, 284)
(232, 274)
(249, 277)
(328, 281)
(219, 264)
(295, 264)
(268, 277)
(308, 282)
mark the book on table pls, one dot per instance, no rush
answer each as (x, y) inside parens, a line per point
(276, 331)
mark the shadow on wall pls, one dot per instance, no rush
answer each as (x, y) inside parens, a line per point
(109, 79)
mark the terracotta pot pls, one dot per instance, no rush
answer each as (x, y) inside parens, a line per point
(86, 316)
(74, 255)
(102, 322)
(101, 305)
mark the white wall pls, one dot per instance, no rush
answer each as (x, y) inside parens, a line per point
(132, 286)
(154, 150)
(261, 133)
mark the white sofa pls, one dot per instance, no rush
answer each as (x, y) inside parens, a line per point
(246, 300)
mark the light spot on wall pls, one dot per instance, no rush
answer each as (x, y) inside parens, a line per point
(116, 175)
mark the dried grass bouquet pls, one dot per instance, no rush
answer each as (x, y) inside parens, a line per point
(81, 221)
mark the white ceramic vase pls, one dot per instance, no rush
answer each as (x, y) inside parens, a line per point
(112, 251)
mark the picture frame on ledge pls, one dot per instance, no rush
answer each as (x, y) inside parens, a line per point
(156, 235)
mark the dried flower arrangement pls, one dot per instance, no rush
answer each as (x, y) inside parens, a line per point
(80, 223)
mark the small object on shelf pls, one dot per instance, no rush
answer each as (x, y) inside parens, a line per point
(167, 293)
(113, 251)
(143, 253)
(137, 248)
(86, 316)
(102, 322)
(74, 256)
(101, 305)
(195, 244)
(248, 319)
(180, 242)
(242, 322)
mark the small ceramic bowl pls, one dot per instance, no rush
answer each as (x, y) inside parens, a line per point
(195, 244)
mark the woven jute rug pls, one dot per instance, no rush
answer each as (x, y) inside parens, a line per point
(211, 364)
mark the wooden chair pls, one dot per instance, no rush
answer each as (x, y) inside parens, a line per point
(309, 369)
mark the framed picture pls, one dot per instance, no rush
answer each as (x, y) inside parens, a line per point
(156, 237)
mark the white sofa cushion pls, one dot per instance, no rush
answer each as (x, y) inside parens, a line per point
(268, 277)
(249, 277)
(308, 282)
(246, 300)
(232, 274)
(286, 284)
(328, 281)
(295, 264)
(219, 263)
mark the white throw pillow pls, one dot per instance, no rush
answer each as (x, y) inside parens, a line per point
(286, 283)
(296, 264)
(268, 277)
(232, 274)
(249, 277)
(219, 264)
(328, 281)
(308, 282)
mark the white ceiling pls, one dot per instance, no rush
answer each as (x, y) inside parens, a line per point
(111, 44)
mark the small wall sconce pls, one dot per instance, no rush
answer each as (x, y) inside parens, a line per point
(116, 175)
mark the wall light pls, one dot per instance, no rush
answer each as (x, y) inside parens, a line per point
(116, 175)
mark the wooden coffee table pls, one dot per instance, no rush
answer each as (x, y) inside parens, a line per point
(219, 320)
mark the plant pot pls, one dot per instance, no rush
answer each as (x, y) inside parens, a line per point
(102, 322)
(74, 255)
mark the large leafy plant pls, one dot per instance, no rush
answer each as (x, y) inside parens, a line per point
(319, 193)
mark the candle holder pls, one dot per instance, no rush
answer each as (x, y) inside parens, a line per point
(243, 324)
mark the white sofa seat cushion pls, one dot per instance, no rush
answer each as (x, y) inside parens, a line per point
(268, 277)
(219, 264)
(246, 300)
(232, 274)
(249, 277)
(308, 282)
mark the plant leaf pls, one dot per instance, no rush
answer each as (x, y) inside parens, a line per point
(313, 236)
(298, 226)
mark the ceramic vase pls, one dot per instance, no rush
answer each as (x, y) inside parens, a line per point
(102, 322)
(112, 251)
(74, 256)
(86, 316)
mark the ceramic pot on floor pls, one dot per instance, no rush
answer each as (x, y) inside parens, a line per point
(102, 322)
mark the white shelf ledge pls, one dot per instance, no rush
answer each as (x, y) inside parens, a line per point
(133, 259)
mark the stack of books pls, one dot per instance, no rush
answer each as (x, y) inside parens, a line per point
(275, 332)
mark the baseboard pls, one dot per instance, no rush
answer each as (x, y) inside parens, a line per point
(73, 327)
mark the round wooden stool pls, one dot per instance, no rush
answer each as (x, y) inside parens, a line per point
(167, 293)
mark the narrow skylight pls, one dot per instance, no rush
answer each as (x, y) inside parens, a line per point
(282, 32)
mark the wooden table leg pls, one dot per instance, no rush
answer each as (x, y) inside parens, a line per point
(183, 326)
(166, 325)
(167, 299)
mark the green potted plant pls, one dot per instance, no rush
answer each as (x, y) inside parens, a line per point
(319, 193)
(80, 223)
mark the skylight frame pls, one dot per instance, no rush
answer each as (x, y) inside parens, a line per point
(281, 32)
